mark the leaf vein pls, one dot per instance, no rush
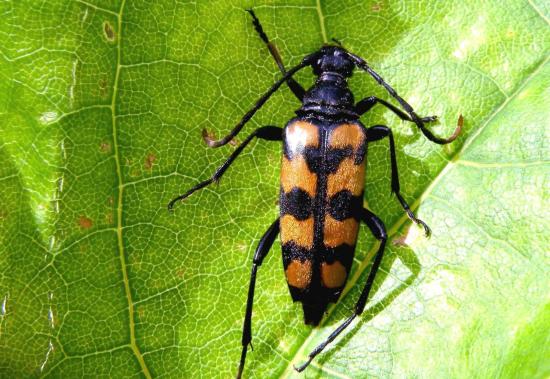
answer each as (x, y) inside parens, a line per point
(120, 190)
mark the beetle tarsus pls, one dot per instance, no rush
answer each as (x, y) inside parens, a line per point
(456, 133)
(208, 138)
(417, 221)
(303, 366)
(429, 119)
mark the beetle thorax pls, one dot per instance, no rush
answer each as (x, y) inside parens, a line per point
(330, 97)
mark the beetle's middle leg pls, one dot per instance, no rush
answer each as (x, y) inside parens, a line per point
(376, 133)
(294, 86)
(367, 103)
(261, 252)
(379, 230)
(270, 133)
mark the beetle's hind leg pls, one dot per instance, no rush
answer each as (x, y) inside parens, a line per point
(294, 86)
(270, 133)
(376, 133)
(261, 251)
(379, 230)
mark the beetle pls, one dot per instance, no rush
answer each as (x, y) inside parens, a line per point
(321, 183)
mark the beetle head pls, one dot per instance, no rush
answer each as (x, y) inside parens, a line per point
(333, 59)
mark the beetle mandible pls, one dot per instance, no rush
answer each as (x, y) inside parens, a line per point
(322, 183)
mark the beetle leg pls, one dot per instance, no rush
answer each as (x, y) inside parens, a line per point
(362, 64)
(379, 230)
(270, 133)
(294, 86)
(367, 103)
(261, 252)
(376, 133)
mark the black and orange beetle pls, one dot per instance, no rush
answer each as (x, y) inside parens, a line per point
(322, 183)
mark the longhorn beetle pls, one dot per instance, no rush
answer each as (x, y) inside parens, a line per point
(322, 183)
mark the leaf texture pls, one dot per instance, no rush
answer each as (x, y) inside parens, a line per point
(101, 109)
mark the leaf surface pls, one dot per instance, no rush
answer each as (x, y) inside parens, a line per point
(101, 108)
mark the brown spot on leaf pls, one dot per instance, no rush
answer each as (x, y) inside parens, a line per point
(150, 160)
(85, 222)
(141, 313)
(84, 248)
(103, 87)
(109, 218)
(108, 31)
(376, 7)
(399, 241)
(105, 147)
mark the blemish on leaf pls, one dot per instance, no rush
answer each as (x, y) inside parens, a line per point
(180, 273)
(105, 147)
(141, 313)
(109, 218)
(399, 241)
(84, 248)
(108, 31)
(85, 222)
(376, 7)
(48, 117)
(150, 160)
(103, 87)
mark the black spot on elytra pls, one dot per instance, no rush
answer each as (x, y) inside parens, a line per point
(293, 251)
(326, 163)
(344, 205)
(297, 203)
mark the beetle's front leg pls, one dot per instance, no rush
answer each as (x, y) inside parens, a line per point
(376, 133)
(367, 103)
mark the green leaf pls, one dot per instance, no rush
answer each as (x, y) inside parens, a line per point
(101, 108)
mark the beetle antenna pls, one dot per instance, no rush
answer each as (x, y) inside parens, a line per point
(261, 101)
(362, 64)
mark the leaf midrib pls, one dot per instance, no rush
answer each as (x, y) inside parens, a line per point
(123, 265)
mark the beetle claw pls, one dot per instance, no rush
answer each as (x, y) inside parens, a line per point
(427, 230)
(303, 366)
(429, 119)
(456, 133)
(208, 138)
